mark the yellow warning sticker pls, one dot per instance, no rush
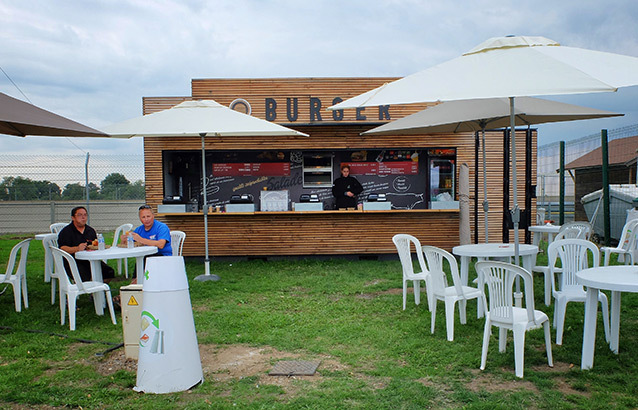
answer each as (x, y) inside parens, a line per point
(132, 301)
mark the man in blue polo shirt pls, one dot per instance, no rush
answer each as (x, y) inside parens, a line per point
(153, 233)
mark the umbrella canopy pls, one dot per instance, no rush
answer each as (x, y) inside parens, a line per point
(510, 67)
(21, 119)
(194, 118)
(198, 119)
(475, 115)
(514, 66)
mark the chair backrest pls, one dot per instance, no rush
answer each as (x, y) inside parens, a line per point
(59, 256)
(57, 227)
(177, 242)
(23, 248)
(435, 258)
(584, 226)
(628, 236)
(119, 231)
(540, 216)
(404, 243)
(574, 257)
(570, 232)
(499, 278)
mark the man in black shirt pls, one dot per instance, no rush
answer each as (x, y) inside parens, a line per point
(75, 237)
(346, 189)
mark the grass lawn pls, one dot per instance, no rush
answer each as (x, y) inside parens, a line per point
(346, 314)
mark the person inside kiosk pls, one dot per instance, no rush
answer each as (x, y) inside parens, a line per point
(346, 188)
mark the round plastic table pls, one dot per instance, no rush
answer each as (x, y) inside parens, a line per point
(617, 279)
(539, 230)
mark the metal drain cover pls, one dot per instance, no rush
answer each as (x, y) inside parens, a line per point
(294, 368)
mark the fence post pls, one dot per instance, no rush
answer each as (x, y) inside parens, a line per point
(52, 212)
(605, 172)
(86, 182)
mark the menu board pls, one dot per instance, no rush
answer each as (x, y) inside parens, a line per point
(249, 169)
(384, 168)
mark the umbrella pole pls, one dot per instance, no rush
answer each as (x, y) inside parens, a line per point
(518, 296)
(206, 276)
(486, 205)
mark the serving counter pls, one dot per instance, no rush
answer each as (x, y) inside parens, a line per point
(312, 232)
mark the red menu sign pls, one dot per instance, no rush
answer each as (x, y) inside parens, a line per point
(249, 169)
(384, 168)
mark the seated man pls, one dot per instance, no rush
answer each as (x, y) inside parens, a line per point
(75, 237)
(151, 233)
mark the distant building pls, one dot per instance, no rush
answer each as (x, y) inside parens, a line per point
(587, 170)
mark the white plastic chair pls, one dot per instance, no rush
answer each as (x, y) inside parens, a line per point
(569, 232)
(403, 243)
(573, 254)
(439, 289)
(69, 292)
(177, 242)
(119, 231)
(57, 227)
(501, 312)
(16, 275)
(585, 227)
(49, 242)
(626, 244)
(540, 216)
(48, 257)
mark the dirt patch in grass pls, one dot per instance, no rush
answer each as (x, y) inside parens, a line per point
(372, 295)
(490, 383)
(223, 363)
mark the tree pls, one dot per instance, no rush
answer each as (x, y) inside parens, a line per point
(114, 185)
(25, 189)
(77, 191)
(137, 190)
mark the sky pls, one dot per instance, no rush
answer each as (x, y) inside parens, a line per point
(94, 60)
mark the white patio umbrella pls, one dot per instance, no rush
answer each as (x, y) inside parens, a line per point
(199, 118)
(477, 115)
(508, 67)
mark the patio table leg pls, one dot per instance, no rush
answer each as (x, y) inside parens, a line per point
(615, 321)
(589, 332)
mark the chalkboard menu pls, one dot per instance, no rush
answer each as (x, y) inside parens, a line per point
(400, 174)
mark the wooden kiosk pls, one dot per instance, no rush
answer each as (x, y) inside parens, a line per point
(418, 174)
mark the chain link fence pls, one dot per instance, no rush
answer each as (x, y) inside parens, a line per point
(37, 190)
(548, 160)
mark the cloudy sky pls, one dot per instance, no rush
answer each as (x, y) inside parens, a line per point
(94, 60)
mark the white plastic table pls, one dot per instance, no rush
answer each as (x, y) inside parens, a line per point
(617, 279)
(539, 230)
(48, 256)
(95, 257)
(499, 251)
(502, 251)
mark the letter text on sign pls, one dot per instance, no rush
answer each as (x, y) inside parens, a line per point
(337, 115)
(384, 112)
(271, 109)
(360, 116)
(294, 112)
(315, 109)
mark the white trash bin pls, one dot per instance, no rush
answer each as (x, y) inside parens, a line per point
(168, 355)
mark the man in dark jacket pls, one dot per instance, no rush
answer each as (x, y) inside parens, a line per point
(346, 189)
(75, 237)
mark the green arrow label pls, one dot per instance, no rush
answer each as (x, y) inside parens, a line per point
(154, 321)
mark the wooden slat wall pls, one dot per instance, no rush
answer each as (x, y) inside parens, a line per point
(329, 136)
(255, 91)
(328, 233)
